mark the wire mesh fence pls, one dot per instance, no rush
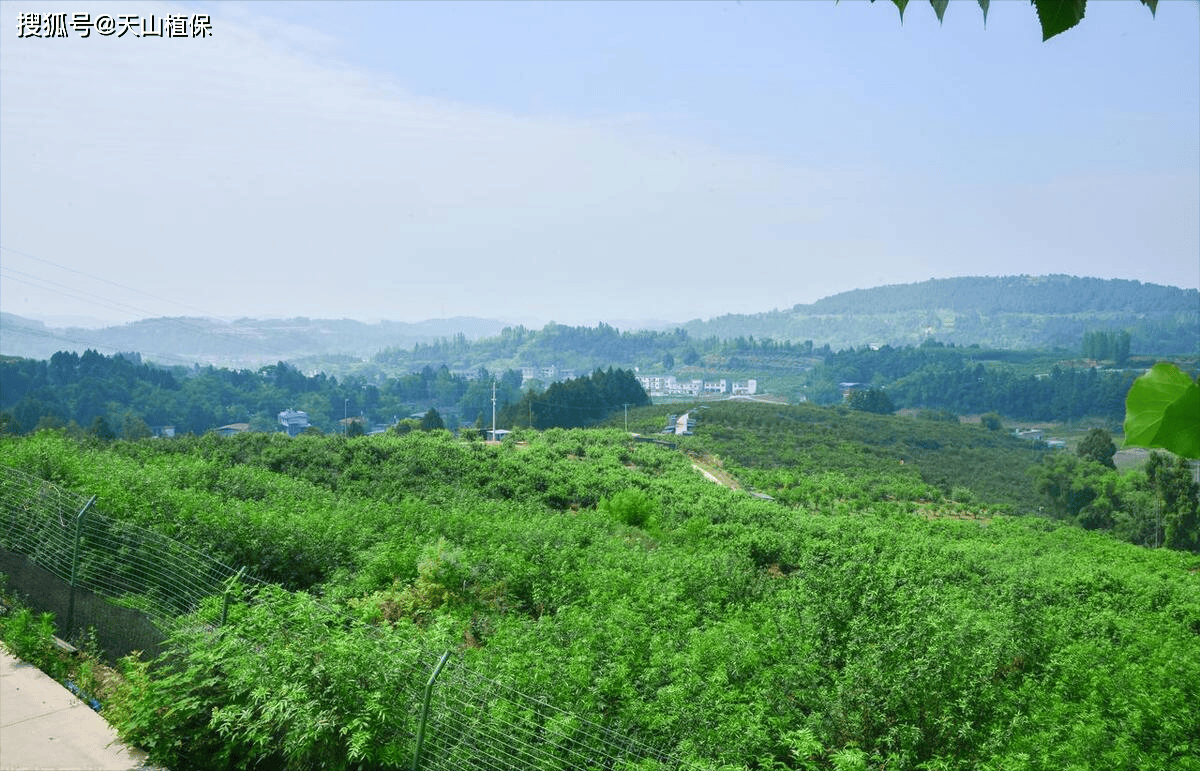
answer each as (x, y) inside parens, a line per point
(39, 520)
(477, 723)
(63, 533)
(116, 577)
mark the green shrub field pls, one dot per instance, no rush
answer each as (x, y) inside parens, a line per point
(787, 450)
(873, 616)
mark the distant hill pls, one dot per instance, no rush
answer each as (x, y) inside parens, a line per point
(1012, 312)
(242, 343)
(1015, 312)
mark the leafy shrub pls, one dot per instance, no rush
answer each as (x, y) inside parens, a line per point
(871, 400)
(441, 579)
(991, 421)
(631, 507)
(1098, 446)
(285, 684)
(30, 637)
(962, 494)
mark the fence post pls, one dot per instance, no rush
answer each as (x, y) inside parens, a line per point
(229, 590)
(75, 565)
(416, 764)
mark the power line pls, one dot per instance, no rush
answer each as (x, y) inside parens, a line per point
(112, 304)
(90, 343)
(107, 281)
(80, 295)
(69, 292)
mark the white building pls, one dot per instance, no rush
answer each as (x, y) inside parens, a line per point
(748, 388)
(550, 374)
(654, 384)
(294, 421)
(667, 385)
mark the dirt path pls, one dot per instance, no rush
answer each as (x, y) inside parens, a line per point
(711, 469)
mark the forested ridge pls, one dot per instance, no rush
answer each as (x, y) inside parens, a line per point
(866, 619)
(1011, 312)
(1013, 294)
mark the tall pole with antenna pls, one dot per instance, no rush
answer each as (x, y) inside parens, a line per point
(493, 409)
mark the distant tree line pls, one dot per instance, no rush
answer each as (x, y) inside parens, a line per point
(1103, 345)
(131, 395)
(871, 400)
(1062, 394)
(577, 403)
(120, 396)
(941, 377)
(578, 348)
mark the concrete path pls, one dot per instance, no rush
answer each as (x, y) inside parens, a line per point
(43, 727)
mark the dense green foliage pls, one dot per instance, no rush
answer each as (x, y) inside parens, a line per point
(577, 403)
(1107, 345)
(871, 400)
(102, 392)
(808, 455)
(130, 396)
(1098, 446)
(450, 375)
(1160, 507)
(935, 376)
(578, 348)
(873, 623)
(432, 421)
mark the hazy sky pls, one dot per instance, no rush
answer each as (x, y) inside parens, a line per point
(580, 162)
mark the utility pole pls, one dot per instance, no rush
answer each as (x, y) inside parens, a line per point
(627, 417)
(493, 409)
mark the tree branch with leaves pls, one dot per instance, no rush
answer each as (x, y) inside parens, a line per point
(1055, 16)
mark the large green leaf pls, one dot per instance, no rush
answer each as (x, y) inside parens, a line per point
(939, 7)
(1162, 409)
(1058, 15)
